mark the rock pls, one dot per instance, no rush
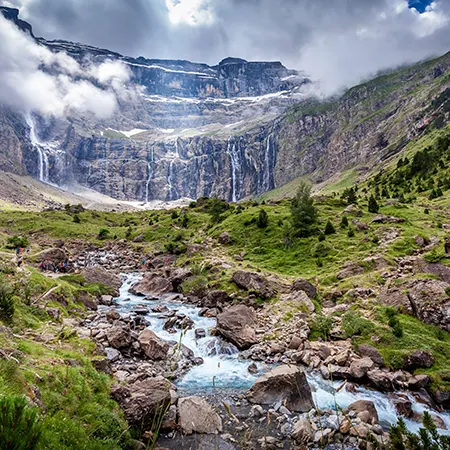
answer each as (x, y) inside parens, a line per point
(303, 285)
(153, 347)
(365, 410)
(360, 367)
(372, 353)
(88, 301)
(302, 431)
(350, 269)
(196, 415)
(295, 343)
(418, 360)
(112, 354)
(286, 384)
(200, 333)
(106, 300)
(147, 399)
(151, 284)
(161, 261)
(103, 365)
(254, 284)
(53, 312)
(387, 219)
(253, 368)
(118, 337)
(55, 255)
(353, 209)
(360, 226)
(418, 382)
(442, 398)
(301, 299)
(420, 241)
(381, 380)
(225, 238)
(102, 276)
(178, 276)
(112, 315)
(403, 407)
(237, 324)
(215, 298)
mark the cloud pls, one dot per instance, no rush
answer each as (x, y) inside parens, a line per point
(36, 79)
(340, 42)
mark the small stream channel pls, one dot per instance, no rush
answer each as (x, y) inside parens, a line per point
(224, 371)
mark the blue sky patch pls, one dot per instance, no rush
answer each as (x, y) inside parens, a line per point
(420, 5)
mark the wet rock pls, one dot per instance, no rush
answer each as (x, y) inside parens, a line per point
(118, 337)
(196, 415)
(253, 368)
(141, 310)
(303, 285)
(151, 284)
(220, 347)
(403, 407)
(380, 380)
(418, 382)
(254, 284)
(360, 367)
(372, 353)
(418, 360)
(286, 384)
(153, 347)
(365, 410)
(302, 432)
(200, 333)
(301, 299)
(160, 309)
(237, 324)
(145, 400)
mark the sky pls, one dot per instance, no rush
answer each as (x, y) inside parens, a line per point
(338, 42)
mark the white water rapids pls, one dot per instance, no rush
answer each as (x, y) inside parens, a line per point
(223, 370)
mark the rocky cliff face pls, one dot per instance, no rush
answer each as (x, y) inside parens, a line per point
(236, 129)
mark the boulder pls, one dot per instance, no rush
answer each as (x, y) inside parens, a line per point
(372, 353)
(350, 269)
(178, 276)
(418, 360)
(102, 276)
(153, 347)
(295, 343)
(387, 219)
(151, 284)
(380, 379)
(301, 299)
(88, 300)
(145, 401)
(214, 298)
(365, 410)
(118, 337)
(237, 324)
(161, 261)
(196, 415)
(302, 285)
(286, 384)
(106, 300)
(360, 367)
(254, 284)
(302, 431)
(359, 225)
(353, 209)
(403, 407)
(55, 255)
(418, 382)
(225, 238)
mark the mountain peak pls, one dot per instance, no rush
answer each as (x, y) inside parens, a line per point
(12, 14)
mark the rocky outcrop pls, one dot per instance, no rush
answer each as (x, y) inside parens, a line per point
(196, 415)
(101, 276)
(303, 285)
(254, 283)
(237, 324)
(301, 299)
(286, 384)
(119, 337)
(55, 255)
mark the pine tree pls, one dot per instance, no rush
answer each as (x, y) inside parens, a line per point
(303, 211)
(329, 228)
(373, 205)
(263, 219)
(344, 222)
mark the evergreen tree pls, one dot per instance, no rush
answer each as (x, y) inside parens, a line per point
(303, 211)
(373, 205)
(263, 219)
(344, 222)
(349, 195)
(329, 228)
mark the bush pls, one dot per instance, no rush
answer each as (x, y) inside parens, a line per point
(76, 218)
(303, 211)
(103, 234)
(329, 228)
(6, 301)
(17, 241)
(192, 205)
(20, 425)
(355, 325)
(426, 211)
(321, 237)
(263, 219)
(321, 249)
(196, 285)
(174, 214)
(351, 232)
(321, 326)
(344, 222)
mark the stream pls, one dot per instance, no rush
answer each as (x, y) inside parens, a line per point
(223, 371)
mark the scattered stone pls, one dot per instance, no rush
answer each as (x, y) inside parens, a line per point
(254, 283)
(225, 238)
(301, 298)
(360, 367)
(387, 219)
(237, 324)
(303, 285)
(197, 415)
(118, 337)
(365, 410)
(372, 353)
(302, 431)
(252, 368)
(153, 347)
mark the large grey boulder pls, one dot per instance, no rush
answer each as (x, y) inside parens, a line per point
(151, 284)
(365, 410)
(237, 324)
(303, 285)
(196, 415)
(102, 276)
(286, 384)
(301, 300)
(254, 283)
(118, 337)
(153, 347)
(55, 255)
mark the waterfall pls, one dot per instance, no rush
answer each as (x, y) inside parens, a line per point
(267, 174)
(149, 178)
(173, 192)
(235, 169)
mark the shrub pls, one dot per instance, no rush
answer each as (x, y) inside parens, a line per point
(373, 205)
(263, 219)
(321, 237)
(321, 326)
(174, 214)
(351, 232)
(6, 301)
(355, 325)
(426, 211)
(103, 234)
(196, 285)
(20, 425)
(344, 222)
(329, 228)
(184, 220)
(76, 218)
(192, 205)
(17, 241)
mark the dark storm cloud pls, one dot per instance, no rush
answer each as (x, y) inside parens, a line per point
(339, 42)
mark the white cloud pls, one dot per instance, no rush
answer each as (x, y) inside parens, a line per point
(35, 79)
(190, 12)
